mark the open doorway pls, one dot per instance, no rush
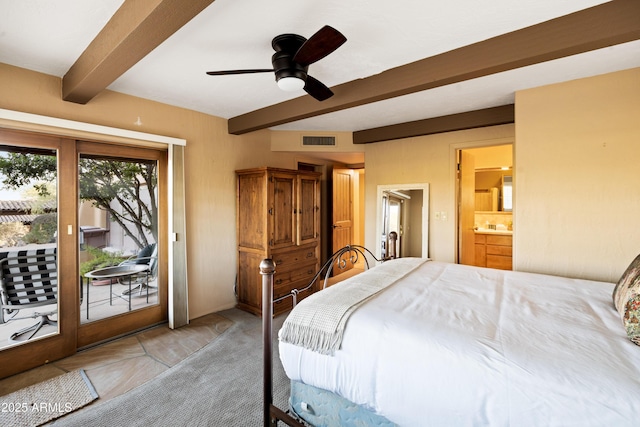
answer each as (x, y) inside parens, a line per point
(347, 212)
(342, 207)
(485, 211)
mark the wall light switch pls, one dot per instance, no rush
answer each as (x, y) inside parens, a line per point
(443, 216)
(437, 215)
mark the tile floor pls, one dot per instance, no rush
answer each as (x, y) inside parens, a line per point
(120, 365)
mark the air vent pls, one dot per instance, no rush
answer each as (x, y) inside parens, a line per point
(318, 140)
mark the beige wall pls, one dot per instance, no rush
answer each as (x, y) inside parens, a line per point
(292, 141)
(576, 212)
(427, 159)
(492, 157)
(211, 157)
(577, 180)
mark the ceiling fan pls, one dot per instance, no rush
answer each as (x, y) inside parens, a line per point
(292, 58)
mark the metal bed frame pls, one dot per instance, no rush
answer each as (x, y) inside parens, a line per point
(341, 258)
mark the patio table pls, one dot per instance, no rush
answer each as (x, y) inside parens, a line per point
(115, 272)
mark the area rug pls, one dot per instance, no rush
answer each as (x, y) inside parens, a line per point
(46, 401)
(218, 385)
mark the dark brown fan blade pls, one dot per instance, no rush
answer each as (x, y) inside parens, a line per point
(228, 72)
(319, 45)
(317, 89)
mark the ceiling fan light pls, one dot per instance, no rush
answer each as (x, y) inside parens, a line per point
(290, 84)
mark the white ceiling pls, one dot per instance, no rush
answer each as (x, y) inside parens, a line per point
(48, 36)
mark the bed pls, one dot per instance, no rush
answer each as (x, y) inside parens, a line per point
(445, 344)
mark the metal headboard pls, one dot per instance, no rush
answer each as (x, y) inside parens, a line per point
(341, 258)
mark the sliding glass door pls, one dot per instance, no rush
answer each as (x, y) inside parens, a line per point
(82, 245)
(37, 247)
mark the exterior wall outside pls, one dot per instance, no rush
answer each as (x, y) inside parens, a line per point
(91, 216)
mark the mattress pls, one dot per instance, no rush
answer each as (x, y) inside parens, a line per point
(459, 345)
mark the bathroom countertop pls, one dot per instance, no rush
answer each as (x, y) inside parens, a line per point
(491, 231)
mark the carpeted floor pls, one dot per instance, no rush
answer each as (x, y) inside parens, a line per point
(219, 385)
(39, 403)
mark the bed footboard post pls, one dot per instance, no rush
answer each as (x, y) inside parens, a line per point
(267, 269)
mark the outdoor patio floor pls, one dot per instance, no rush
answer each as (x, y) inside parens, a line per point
(101, 306)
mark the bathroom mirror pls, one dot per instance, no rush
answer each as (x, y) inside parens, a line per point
(493, 190)
(507, 193)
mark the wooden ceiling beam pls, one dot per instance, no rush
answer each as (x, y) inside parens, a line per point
(598, 27)
(135, 29)
(469, 120)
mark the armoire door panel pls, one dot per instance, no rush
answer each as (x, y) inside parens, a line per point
(281, 211)
(252, 228)
(308, 210)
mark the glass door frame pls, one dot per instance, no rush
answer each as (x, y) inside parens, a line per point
(55, 346)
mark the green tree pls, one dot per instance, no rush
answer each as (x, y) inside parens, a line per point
(128, 183)
(43, 229)
(102, 181)
(22, 169)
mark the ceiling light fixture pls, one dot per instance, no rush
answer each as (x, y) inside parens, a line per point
(290, 84)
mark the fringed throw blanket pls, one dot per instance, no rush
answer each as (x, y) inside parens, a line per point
(318, 322)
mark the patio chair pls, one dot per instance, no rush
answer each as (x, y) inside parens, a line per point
(147, 256)
(28, 279)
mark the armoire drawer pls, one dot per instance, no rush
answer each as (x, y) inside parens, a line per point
(287, 260)
(303, 273)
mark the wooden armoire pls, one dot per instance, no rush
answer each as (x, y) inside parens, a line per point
(278, 217)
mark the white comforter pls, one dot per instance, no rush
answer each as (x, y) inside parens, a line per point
(453, 345)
